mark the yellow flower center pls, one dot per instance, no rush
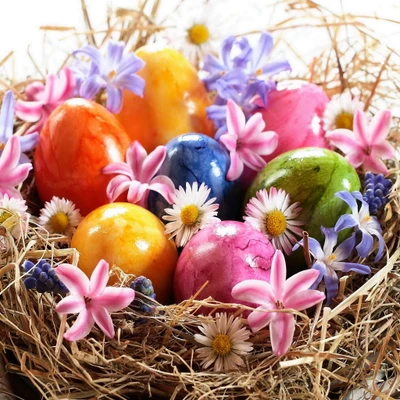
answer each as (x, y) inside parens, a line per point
(112, 74)
(222, 344)
(59, 222)
(4, 215)
(259, 72)
(2, 145)
(344, 121)
(331, 258)
(198, 34)
(189, 214)
(275, 223)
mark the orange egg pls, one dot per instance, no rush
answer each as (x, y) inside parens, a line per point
(77, 141)
(174, 100)
(131, 238)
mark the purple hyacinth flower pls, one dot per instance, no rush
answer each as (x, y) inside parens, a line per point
(329, 260)
(362, 221)
(113, 73)
(228, 68)
(27, 142)
(258, 68)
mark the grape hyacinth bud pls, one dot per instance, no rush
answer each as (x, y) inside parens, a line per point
(144, 286)
(376, 191)
(42, 277)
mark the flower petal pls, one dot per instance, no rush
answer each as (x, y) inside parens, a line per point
(258, 319)
(305, 299)
(235, 118)
(229, 141)
(163, 185)
(278, 274)
(73, 278)
(29, 111)
(235, 168)
(281, 331)
(345, 248)
(152, 163)
(366, 244)
(81, 328)
(7, 116)
(263, 49)
(345, 221)
(251, 159)
(300, 282)
(115, 298)
(254, 291)
(118, 185)
(103, 320)
(70, 305)
(275, 67)
(349, 266)
(133, 83)
(10, 156)
(360, 127)
(98, 279)
(332, 285)
(91, 86)
(29, 142)
(379, 127)
(135, 156)
(92, 52)
(114, 99)
(330, 240)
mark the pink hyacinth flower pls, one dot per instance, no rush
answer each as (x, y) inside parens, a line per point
(366, 144)
(279, 294)
(246, 141)
(137, 175)
(92, 299)
(43, 99)
(12, 173)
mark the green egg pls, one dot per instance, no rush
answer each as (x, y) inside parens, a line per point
(311, 176)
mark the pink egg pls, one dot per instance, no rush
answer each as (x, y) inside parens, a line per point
(223, 254)
(294, 111)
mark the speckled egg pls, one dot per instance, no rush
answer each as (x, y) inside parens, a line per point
(311, 176)
(196, 157)
(223, 254)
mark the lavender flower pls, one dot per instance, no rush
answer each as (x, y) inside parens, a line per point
(27, 142)
(361, 221)
(113, 73)
(242, 75)
(328, 260)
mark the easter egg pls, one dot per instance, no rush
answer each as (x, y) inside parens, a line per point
(294, 112)
(77, 141)
(311, 176)
(222, 254)
(174, 100)
(131, 238)
(196, 157)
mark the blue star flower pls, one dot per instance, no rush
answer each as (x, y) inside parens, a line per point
(27, 142)
(113, 73)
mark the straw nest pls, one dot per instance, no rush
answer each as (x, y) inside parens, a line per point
(335, 349)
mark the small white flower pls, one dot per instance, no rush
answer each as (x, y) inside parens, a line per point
(272, 214)
(13, 215)
(225, 341)
(339, 112)
(196, 28)
(59, 216)
(190, 212)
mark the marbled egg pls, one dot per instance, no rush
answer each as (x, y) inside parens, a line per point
(311, 176)
(223, 254)
(294, 112)
(196, 157)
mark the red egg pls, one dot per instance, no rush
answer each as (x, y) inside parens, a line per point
(77, 141)
(294, 112)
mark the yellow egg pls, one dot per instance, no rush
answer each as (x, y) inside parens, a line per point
(131, 238)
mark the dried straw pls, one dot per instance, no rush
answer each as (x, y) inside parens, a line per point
(335, 349)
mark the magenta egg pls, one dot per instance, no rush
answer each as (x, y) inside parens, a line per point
(294, 112)
(223, 254)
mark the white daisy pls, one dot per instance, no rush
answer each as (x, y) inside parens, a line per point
(190, 212)
(225, 341)
(196, 28)
(13, 215)
(340, 111)
(59, 216)
(272, 214)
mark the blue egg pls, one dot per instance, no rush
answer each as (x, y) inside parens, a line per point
(195, 157)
